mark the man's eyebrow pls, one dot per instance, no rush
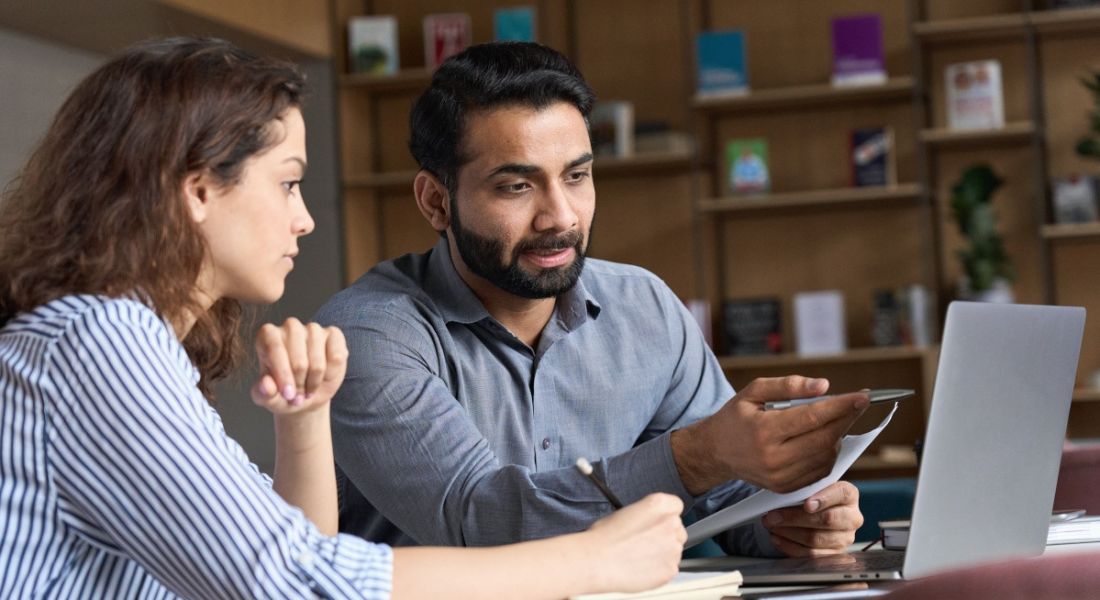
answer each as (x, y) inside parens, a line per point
(580, 160)
(515, 169)
(525, 169)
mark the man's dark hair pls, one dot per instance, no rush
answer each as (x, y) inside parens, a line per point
(483, 77)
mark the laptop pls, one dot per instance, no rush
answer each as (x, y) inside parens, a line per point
(991, 452)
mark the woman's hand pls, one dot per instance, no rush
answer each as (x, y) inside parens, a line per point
(301, 366)
(638, 547)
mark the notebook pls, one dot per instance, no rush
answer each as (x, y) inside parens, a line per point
(993, 443)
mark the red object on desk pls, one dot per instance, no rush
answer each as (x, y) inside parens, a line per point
(1069, 576)
(1079, 479)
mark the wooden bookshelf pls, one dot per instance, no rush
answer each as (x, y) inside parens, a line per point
(1011, 133)
(888, 196)
(1068, 231)
(638, 164)
(804, 96)
(407, 80)
(643, 163)
(1086, 395)
(857, 355)
(972, 28)
(1066, 21)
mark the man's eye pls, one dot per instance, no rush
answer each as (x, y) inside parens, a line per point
(515, 188)
(579, 175)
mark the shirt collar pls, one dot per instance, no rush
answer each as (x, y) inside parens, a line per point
(458, 303)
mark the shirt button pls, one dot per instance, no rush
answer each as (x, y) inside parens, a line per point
(305, 559)
(545, 443)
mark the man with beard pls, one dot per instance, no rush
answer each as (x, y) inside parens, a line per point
(482, 369)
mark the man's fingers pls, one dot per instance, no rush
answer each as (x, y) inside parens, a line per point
(837, 412)
(769, 389)
(840, 493)
(274, 359)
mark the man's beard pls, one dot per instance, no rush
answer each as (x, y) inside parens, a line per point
(484, 256)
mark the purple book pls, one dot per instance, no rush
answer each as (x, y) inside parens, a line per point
(857, 50)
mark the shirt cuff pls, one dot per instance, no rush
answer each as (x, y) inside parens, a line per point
(645, 469)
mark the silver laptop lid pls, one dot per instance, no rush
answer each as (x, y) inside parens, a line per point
(994, 437)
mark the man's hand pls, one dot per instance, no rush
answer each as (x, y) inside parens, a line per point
(826, 523)
(781, 450)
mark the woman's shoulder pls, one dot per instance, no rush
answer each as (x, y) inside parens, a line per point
(55, 317)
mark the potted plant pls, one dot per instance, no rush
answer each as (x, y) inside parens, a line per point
(1089, 145)
(986, 266)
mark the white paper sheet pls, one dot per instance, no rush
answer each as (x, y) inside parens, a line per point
(851, 446)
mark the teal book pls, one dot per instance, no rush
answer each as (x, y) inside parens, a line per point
(722, 66)
(514, 24)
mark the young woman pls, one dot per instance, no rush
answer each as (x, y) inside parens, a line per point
(165, 193)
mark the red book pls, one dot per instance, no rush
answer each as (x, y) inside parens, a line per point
(444, 36)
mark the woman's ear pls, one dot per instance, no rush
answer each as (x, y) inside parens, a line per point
(196, 193)
(433, 200)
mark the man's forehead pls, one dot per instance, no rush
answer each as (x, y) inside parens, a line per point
(500, 133)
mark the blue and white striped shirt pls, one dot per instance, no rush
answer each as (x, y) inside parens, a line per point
(117, 479)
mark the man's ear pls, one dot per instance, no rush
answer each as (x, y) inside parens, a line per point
(196, 193)
(433, 200)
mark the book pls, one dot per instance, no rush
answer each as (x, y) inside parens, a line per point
(611, 123)
(372, 45)
(445, 35)
(975, 98)
(819, 325)
(1086, 529)
(721, 63)
(685, 586)
(752, 326)
(700, 311)
(747, 166)
(872, 151)
(1074, 199)
(857, 50)
(514, 24)
(915, 305)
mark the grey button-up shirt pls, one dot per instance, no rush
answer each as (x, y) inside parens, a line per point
(448, 430)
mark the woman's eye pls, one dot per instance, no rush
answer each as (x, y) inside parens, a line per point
(290, 186)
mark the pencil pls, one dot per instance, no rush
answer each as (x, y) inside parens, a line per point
(586, 469)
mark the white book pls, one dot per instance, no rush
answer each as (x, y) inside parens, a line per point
(819, 323)
(372, 45)
(975, 98)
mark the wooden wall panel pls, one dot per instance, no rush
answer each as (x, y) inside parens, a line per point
(799, 161)
(1068, 103)
(854, 251)
(788, 42)
(647, 221)
(1077, 281)
(961, 9)
(641, 58)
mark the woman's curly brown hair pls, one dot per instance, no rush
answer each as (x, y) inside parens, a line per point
(98, 207)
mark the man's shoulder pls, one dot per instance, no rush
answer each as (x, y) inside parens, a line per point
(393, 287)
(612, 281)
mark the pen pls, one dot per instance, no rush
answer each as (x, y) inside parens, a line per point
(586, 469)
(875, 395)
